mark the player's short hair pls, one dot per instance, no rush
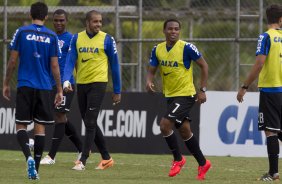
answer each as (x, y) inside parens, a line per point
(38, 11)
(171, 20)
(61, 12)
(273, 13)
(89, 14)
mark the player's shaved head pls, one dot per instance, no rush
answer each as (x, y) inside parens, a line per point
(61, 12)
(90, 13)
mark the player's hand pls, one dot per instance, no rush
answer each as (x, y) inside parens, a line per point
(150, 87)
(116, 98)
(201, 97)
(58, 99)
(6, 92)
(67, 86)
(240, 94)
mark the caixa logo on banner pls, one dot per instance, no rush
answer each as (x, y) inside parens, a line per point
(247, 131)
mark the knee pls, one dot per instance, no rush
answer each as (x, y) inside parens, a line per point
(185, 131)
(90, 121)
(165, 126)
(60, 117)
(39, 129)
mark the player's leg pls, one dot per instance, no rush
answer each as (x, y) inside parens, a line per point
(59, 130)
(192, 144)
(270, 123)
(82, 103)
(69, 128)
(181, 107)
(100, 142)
(58, 135)
(24, 104)
(166, 129)
(43, 115)
(23, 139)
(39, 142)
(90, 98)
(74, 138)
(95, 95)
(166, 126)
(280, 135)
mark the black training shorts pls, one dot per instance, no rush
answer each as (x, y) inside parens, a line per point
(67, 99)
(178, 109)
(34, 105)
(270, 111)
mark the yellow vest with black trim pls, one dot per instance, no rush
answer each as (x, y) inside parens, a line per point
(271, 73)
(177, 80)
(92, 61)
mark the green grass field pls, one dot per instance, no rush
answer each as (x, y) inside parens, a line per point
(132, 169)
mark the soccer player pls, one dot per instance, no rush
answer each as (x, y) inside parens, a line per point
(37, 49)
(174, 58)
(268, 69)
(91, 51)
(62, 124)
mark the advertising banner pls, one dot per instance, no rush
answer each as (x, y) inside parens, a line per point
(230, 128)
(129, 127)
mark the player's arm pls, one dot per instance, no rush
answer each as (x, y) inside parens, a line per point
(254, 73)
(14, 54)
(111, 51)
(151, 71)
(263, 48)
(257, 67)
(56, 74)
(71, 60)
(9, 73)
(201, 62)
(55, 52)
(191, 52)
(201, 97)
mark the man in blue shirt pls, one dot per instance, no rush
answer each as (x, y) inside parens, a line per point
(62, 125)
(37, 49)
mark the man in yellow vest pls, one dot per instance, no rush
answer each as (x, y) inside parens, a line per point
(268, 69)
(175, 59)
(91, 51)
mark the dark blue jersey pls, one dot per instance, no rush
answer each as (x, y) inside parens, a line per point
(64, 40)
(36, 45)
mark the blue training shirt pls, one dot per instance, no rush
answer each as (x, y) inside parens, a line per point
(36, 45)
(64, 40)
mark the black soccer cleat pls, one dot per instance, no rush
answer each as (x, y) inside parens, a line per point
(268, 177)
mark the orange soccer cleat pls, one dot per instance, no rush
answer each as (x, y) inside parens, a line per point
(104, 164)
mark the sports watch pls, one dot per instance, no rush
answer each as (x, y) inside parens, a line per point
(244, 86)
(203, 89)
